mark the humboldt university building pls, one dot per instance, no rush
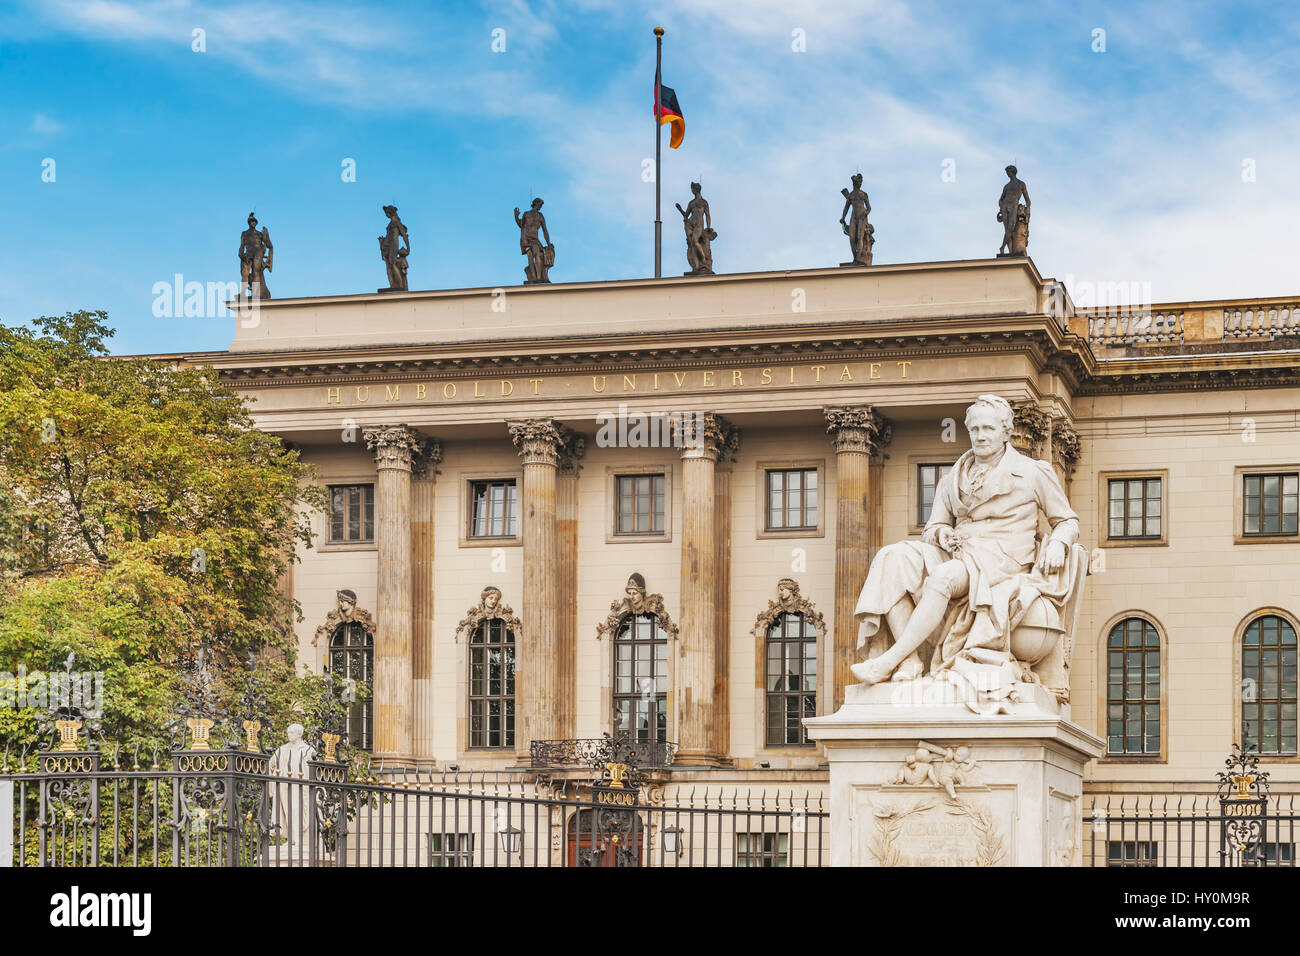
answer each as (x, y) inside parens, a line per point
(647, 507)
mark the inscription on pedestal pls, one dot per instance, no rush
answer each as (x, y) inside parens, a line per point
(936, 831)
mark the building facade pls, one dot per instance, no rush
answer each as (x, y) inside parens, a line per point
(649, 505)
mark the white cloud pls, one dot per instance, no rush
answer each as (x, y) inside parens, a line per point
(43, 125)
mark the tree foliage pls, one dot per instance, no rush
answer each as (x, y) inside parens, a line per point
(142, 516)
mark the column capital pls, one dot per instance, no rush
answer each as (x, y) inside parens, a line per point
(540, 440)
(402, 447)
(705, 435)
(1065, 445)
(573, 447)
(858, 429)
(1030, 429)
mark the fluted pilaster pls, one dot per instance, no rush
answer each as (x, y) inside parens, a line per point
(422, 607)
(722, 563)
(566, 524)
(859, 435)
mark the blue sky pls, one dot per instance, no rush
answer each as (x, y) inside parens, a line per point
(1133, 156)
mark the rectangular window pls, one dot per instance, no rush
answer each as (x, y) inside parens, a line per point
(495, 508)
(451, 849)
(1277, 854)
(352, 514)
(762, 849)
(639, 504)
(927, 482)
(1132, 853)
(792, 499)
(1135, 508)
(1271, 504)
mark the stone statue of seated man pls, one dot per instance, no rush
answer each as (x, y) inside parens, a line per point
(980, 593)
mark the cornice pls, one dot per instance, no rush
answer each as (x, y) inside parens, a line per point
(1217, 371)
(1062, 352)
(1020, 263)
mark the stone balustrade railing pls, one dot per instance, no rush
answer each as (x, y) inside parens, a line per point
(1130, 328)
(1192, 322)
(1246, 320)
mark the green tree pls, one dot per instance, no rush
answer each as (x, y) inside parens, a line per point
(142, 516)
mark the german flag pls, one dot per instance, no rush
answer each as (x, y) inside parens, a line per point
(669, 112)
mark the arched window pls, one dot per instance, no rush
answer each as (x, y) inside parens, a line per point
(492, 684)
(1133, 688)
(641, 679)
(791, 678)
(1268, 686)
(352, 654)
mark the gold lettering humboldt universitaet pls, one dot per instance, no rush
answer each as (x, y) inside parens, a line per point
(747, 379)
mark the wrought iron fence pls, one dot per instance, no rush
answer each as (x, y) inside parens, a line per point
(225, 808)
(1241, 824)
(1189, 830)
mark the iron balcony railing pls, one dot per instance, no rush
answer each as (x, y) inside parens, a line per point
(590, 752)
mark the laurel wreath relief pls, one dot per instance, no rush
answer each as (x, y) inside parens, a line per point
(990, 846)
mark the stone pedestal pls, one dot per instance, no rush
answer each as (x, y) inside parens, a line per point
(917, 778)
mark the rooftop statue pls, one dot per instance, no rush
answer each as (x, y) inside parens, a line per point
(980, 599)
(699, 233)
(860, 232)
(540, 258)
(255, 258)
(391, 251)
(1014, 216)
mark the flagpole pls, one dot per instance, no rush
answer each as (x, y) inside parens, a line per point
(659, 101)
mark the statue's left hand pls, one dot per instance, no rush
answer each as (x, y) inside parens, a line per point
(1054, 557)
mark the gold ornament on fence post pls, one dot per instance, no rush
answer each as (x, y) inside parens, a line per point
(1241, 782)
(67, 734)
(199, 727)
(330, 741)
(251, 728)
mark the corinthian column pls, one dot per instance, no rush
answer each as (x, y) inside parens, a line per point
(697, 677)
(859, 434)
(397, 449)
(537, 658)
